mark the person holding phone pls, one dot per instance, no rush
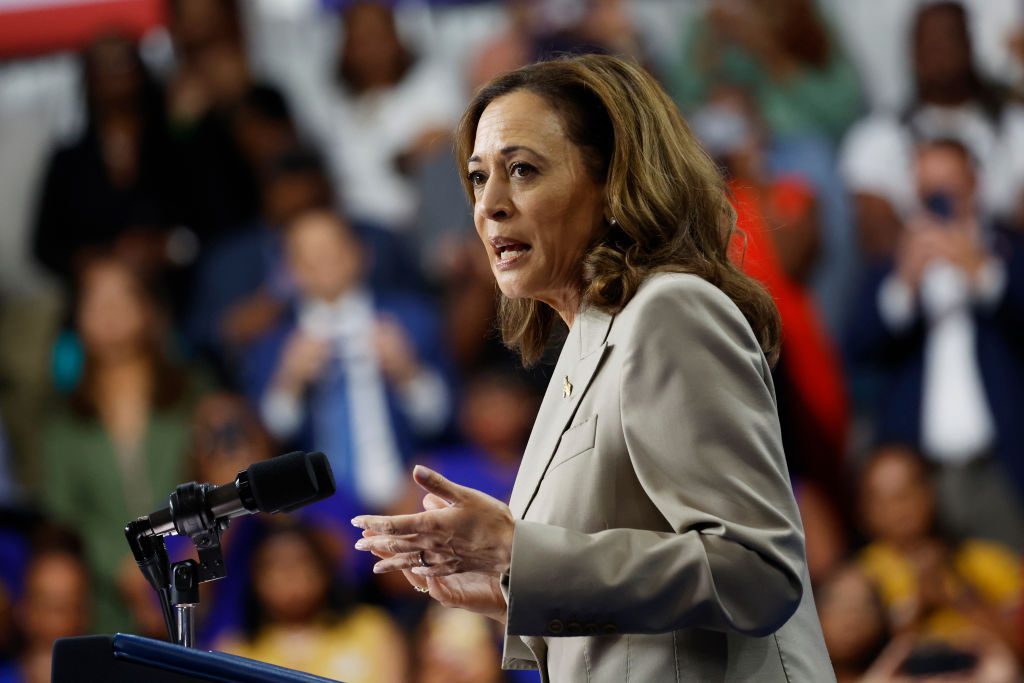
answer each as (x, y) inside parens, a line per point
(943, 321)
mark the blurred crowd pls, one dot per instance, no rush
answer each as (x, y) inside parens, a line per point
(244, 234)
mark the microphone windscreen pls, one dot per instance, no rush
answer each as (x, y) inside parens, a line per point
(285, 482)
(324, 480)
(324, 475)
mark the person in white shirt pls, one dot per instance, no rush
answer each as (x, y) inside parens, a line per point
(952, 99)
(387, 110)
(941, 320)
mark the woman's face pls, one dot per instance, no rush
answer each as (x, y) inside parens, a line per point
(536, 207)
(942, 48)
(56, 601)
(372, 46)
(112, 318)
(896, 497)
(289, 582)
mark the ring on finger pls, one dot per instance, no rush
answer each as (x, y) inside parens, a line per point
(423, 561)
(421, 589)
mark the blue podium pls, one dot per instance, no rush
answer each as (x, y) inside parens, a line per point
(131, 659)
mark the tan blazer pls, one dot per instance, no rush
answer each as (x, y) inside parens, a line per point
(657, 538)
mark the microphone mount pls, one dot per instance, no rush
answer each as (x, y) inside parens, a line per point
(177, 584)
(202, 512)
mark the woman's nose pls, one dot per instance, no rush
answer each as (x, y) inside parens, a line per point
(494, 202)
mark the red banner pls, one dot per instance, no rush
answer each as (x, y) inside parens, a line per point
(30, 27)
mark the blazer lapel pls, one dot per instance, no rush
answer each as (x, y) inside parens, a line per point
(580, 358)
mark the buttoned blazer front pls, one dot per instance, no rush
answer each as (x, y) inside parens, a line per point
(657, 537)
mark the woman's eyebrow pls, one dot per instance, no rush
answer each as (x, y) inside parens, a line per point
(505, 151)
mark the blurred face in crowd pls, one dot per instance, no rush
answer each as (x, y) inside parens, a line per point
(260, 138)
(942, 52)
(896, 497)
(455, 646)
(537, 207)
(497, 415)
(287, 195)
(946, 171)
(114, 316)
(728, 128)
(290, 582)
(112, 72)
(200, 23)
(852, 619)
(56, 603)
(226, 438)
(323, 255)
(372, 54)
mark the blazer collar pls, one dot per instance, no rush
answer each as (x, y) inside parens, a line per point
(577, 364)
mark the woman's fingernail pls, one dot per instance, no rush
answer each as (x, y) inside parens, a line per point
(362, 544)
(358, 522)
(377, 569)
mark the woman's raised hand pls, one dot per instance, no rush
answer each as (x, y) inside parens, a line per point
(470, 532)
(472, 591)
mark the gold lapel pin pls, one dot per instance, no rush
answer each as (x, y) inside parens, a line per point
(566, 387)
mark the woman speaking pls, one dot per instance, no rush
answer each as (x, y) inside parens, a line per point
(652, 534)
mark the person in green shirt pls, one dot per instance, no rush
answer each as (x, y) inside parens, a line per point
(117, 448)
(783, 53)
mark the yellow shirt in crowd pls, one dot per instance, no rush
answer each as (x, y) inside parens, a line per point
(363, 647)
(989, 570)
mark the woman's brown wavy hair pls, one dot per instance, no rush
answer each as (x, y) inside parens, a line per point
(668, 199)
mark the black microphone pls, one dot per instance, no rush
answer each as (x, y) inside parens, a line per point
(280, 484)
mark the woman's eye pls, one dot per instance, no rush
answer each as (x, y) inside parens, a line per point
(476, 178)
(520, 170)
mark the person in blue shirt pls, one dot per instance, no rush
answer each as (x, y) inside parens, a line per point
(352, 370)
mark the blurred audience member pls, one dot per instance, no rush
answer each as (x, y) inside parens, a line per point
(785, 55)
(242, 285)
(943, 321)
(349, 371)
(876, 33)
(931, 585)
(199, 24)
(208, 94)
(111, 187)
(390, 110)
(455, 646)
(778, 245)
(262, 127)
(55, 604)
(806, 93)
(495, 417)
(298, 616)
(951, 101)
(853, 621)
(542, 29)
(117, 448)
(227, 438)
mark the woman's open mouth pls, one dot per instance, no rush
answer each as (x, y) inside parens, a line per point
(508, 251)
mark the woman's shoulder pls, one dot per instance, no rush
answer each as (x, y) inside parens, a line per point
(681, 309)
(679, 298)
